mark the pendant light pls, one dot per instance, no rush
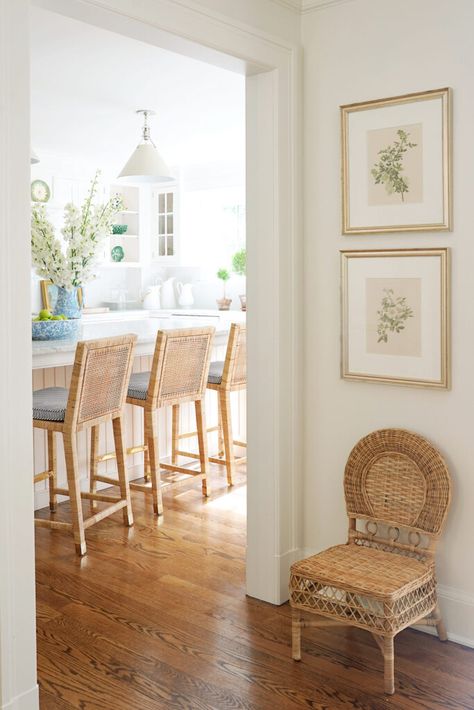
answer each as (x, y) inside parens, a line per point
(146, 165)
(33, 157)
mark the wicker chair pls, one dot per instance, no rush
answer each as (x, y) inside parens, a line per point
(225, 377)
(178, 375)
(97, 394)
(397, 491)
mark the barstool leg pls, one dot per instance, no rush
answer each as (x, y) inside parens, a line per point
(146, 463)
(224, 401)
(174, 433)
(220, 433)
(151, 438)
(52, 468)
(122, 473)
(70, 452)
(202, 441)
(94, 464)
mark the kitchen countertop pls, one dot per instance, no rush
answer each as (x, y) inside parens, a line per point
(58, 353)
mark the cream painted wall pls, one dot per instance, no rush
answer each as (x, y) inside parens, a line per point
(355, 51)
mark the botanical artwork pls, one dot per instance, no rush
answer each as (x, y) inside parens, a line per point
(395, 164)
(393, 316)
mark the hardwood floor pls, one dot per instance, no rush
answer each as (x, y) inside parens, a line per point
(156, 617)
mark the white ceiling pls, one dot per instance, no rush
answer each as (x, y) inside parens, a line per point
(86, 84)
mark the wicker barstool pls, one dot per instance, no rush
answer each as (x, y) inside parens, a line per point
(99, 383)
(225, 376)
(397, 491)
(178, 375)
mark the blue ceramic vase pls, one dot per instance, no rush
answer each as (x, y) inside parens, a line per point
(67, 303)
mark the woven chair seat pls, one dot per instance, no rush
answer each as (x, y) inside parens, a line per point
(376, 590)
(50, 404)
(215, 372)
(138, 387)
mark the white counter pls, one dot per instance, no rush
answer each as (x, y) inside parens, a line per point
(145, 324)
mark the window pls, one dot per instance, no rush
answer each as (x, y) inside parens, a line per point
(164, 224)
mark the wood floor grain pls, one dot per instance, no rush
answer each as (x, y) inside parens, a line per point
(156, 617)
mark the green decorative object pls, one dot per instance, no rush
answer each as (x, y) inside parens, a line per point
(239, 262)
(119, 228)
(117, 253)
(40, 191)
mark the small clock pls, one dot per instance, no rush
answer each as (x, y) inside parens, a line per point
(40, 191)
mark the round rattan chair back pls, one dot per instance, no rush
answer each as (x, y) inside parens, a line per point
(396, 477)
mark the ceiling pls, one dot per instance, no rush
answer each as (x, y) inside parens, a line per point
(86, 84)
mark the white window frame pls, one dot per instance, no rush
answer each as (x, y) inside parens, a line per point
(155, 234)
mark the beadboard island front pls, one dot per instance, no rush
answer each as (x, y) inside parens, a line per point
(52, 367)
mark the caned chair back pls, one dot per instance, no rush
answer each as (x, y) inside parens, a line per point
(234, 374)
(100, 379)
(180, 366)
(396, 482)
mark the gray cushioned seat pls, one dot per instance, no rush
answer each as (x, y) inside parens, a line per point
(215, 372)
(50, 404)
(138, 386)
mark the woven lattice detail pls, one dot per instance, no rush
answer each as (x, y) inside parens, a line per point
(185, 367)
(239, 365)
(104, 380)
(364, 587)
(397, 477)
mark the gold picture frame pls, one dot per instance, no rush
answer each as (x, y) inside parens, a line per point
(395, 324)
(373, 202)
(45, 287)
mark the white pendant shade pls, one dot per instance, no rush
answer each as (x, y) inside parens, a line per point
(146, 165)
(33, 157)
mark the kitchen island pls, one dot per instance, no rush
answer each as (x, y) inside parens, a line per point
(52, 367)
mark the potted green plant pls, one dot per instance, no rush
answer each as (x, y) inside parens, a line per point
(223, 303)
(239, 266)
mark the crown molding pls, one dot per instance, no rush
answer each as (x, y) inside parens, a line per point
(304, 6)
(311, 5)
(296, 5)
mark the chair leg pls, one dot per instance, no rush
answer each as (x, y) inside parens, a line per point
(53, 469)
(146, 464)
(70, 452)
(296, 634)
(122, 472)
(224, 401)
(151, 439)
(174, 433)
(202, 441)
(94, 463)
(220, 432)
(388, 657)
(440, 627)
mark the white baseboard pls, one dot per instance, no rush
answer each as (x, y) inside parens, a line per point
(28, 700)
(457, 608)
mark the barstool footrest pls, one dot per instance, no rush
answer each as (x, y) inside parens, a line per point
(42, 476)
(55, 524)
(104, 513)
(181, 469)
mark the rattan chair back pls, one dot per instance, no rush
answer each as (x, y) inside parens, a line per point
(180, 366)
(99, 380)
(399, 485)
(234, 375)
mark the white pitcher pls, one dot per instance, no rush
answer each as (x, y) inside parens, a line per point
(185, 295)
(151, 298)
(168, 299)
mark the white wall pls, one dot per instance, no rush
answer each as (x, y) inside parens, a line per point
(359, 51)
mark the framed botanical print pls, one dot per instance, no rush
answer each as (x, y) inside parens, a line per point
(395, 316)
(396, 164)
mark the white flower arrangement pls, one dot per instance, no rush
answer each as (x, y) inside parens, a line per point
(72, 262)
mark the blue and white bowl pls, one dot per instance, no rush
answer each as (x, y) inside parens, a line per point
(54, 329)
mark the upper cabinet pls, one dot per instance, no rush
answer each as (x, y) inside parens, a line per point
(165, 225)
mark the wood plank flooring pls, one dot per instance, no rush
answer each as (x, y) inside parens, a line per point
(156, 617)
